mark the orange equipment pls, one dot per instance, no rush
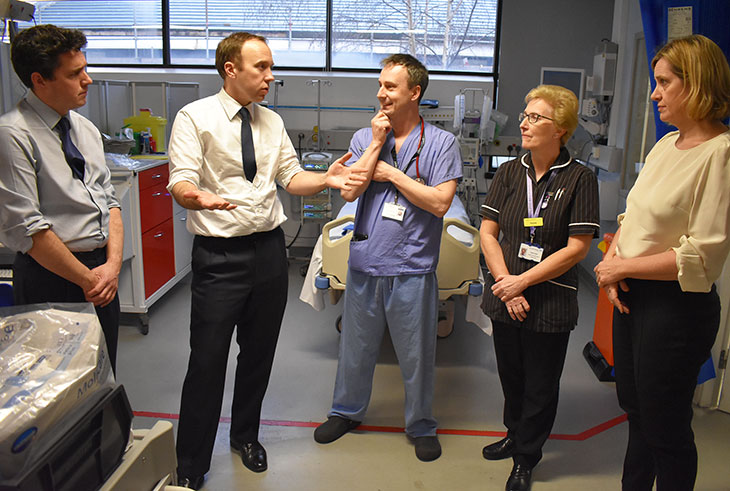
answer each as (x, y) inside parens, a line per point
(599, 352)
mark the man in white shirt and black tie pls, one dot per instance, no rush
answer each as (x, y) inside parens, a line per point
(226, 155)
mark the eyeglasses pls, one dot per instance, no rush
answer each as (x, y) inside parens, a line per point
(533, 118)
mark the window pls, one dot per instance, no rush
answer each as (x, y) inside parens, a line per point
(447, 35)
(295, 29)
(117, 32)
(453, 35)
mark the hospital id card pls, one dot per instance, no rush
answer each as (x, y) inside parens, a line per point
(531, 252)
(394, 211)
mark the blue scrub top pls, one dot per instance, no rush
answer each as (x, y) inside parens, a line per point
(410, 246)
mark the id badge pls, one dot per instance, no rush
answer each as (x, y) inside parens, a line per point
(531, 252)
(532, 222)
(394, 211)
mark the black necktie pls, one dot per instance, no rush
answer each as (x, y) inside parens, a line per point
(249, 156)
(73, 156)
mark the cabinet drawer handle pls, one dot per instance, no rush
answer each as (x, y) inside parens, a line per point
(156, 176)
(156, 194)
(157, 236)
(183, 219)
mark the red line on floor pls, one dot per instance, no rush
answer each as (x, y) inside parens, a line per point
(584, 435)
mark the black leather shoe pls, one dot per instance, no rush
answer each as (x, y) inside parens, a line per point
(191, 482)
(499, 450)
(253, 455)
(520, 478)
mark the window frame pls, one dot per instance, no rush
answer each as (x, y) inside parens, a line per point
(167, 63)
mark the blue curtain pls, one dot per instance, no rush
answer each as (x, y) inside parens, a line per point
(709, 18)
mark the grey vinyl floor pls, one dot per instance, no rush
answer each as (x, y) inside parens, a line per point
(585, 451)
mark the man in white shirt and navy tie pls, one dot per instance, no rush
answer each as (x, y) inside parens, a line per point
(226, 155)
(59, 211)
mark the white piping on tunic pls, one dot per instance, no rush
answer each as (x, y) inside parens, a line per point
(563, 285)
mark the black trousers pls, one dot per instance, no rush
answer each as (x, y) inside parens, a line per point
(530, 365)
(659, 348)
(32, 283)
(237, 283)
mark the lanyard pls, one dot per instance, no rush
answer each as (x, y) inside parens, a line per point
(415, 157)
(534, 212)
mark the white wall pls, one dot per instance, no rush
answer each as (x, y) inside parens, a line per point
(346, 90)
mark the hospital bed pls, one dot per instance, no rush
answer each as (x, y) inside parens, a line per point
(458, 270)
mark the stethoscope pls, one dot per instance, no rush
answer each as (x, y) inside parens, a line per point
(416, 157)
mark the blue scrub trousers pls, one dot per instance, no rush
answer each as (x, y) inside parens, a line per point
(408, 305)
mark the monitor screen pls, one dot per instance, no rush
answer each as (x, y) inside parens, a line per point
(570, 78)
(496, 160)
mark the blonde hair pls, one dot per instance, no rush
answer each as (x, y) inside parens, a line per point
(564, 104)
(703, 68)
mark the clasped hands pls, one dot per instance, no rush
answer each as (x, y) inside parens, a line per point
(610, 277)
(508, 288)
(105, 287)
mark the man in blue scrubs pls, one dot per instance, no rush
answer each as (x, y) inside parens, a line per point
(412, 169)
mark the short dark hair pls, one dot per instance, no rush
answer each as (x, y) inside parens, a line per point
(230, 50)
(417, 73)
(37, 49)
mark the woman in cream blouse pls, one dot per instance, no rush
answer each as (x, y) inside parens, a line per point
(659, 271)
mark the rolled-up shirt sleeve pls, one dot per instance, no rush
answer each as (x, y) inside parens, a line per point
(20, 212)
(288, 162)
(702, 251)
(185, 151)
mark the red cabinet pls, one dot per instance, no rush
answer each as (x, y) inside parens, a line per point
(156, 242)
(158, 249)
(158, 239)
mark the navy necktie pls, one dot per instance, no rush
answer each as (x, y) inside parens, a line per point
(73, 156)
(247, 150)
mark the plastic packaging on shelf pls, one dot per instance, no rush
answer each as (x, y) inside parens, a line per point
(53, 361)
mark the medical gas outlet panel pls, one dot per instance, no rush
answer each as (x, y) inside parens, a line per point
(317, 207)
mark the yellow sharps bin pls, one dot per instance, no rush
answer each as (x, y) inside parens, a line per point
(145, 120)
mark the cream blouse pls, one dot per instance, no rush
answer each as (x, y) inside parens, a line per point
(681, 201)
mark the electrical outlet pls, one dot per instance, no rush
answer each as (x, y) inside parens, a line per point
(590, 108)
(499, 146)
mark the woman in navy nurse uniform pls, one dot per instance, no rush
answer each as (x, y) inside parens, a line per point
(545, 205)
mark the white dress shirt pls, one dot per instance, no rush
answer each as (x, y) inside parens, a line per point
(205, 149)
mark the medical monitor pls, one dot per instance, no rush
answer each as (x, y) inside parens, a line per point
(570, 78)
(496, 160)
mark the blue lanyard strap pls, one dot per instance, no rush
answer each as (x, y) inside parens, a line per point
(534, 211)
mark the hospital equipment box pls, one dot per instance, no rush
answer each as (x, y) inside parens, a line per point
(85, 453)
(53, 364)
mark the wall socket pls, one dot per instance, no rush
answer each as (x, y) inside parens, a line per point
(468, 184)
(330, 139)
(499, 145)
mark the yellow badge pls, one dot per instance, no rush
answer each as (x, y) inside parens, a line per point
(533, 222)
